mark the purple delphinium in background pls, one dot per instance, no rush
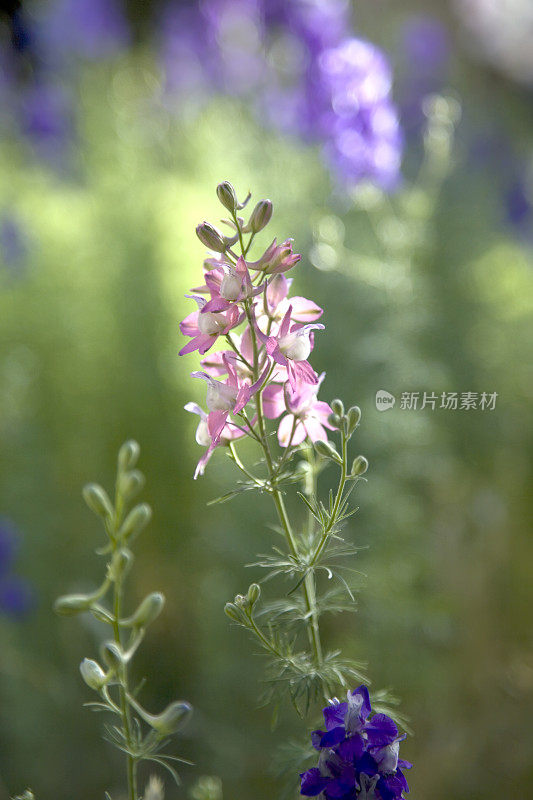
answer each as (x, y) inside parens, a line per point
(13, 252)
(364, 139)
(300, 70)
(40, 62)
(358, 754)
(74, 29)
(425, 52)
(519, 206)
(16, 596)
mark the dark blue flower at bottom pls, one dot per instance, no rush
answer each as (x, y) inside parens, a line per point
(358, 754)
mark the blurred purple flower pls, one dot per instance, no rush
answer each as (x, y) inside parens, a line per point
(8, 545)
(46, 118)
(80, 28)
(16, 594)
(297, 67)
(425, 51)
(13, 252)
(426, 44)
(360, 126)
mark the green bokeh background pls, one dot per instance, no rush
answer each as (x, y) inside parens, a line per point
(88, 357)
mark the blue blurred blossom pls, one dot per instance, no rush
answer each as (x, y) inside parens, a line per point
(13, 253)
(39, 66)
(16, 595)
(425, 50)
(299, 69)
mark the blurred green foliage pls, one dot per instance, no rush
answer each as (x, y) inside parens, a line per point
(88, 358)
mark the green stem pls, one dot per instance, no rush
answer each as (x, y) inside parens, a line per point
(123, 677)
(340, 491)
(123, 691)
(308, 586)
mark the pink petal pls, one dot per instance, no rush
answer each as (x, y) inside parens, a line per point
(216, 304)
(285, 325)
(215, 424)
(277, 290)
(314, 429)
(199, 342)
(189, 326)
(284, 431)
(273, 401)
(305, 310)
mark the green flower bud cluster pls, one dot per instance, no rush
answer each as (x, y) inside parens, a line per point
(346, 422)
(214, 239)
(110, 678)
(241, 609)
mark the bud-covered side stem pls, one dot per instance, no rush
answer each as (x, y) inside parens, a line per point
(118, 589)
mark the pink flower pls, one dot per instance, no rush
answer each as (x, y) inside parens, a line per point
(229, 284)
(307, 417)
(276, 303)
(205, 328)
(277, 258)
(229, 396)
(229, 434)
(291, 348)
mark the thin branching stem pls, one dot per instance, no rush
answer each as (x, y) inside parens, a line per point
(123, 676)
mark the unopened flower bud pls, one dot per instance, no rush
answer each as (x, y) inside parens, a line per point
(326, 450)
(113, 655)
(354, 415)
(71, 604)
(211, 237)
(226, 195)
(334, 420)
(359, 466)
(131, 483)
(231, 611)
(128, 455)
(253, 594)
(137, 519)
(121, 563)
(261, 216)
(171, 719)
(337, 406)
(154, 789)
(93, 674)
(98, 500)
(149, 609)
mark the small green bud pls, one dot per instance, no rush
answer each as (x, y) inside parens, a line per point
(326, 450)
(335, 421)
(71, 604)
(354, 415)
(172, 718)
(113, 655)
(131, 483)
(149, 609)
(211, 237)
(226, 195)
(261, 216)
(98, 500)
(359, 466)
(337, 406)
(121, 563)
(253, 594)
(93, 674)
(128, 455)
(231, 611)
(137, 519)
